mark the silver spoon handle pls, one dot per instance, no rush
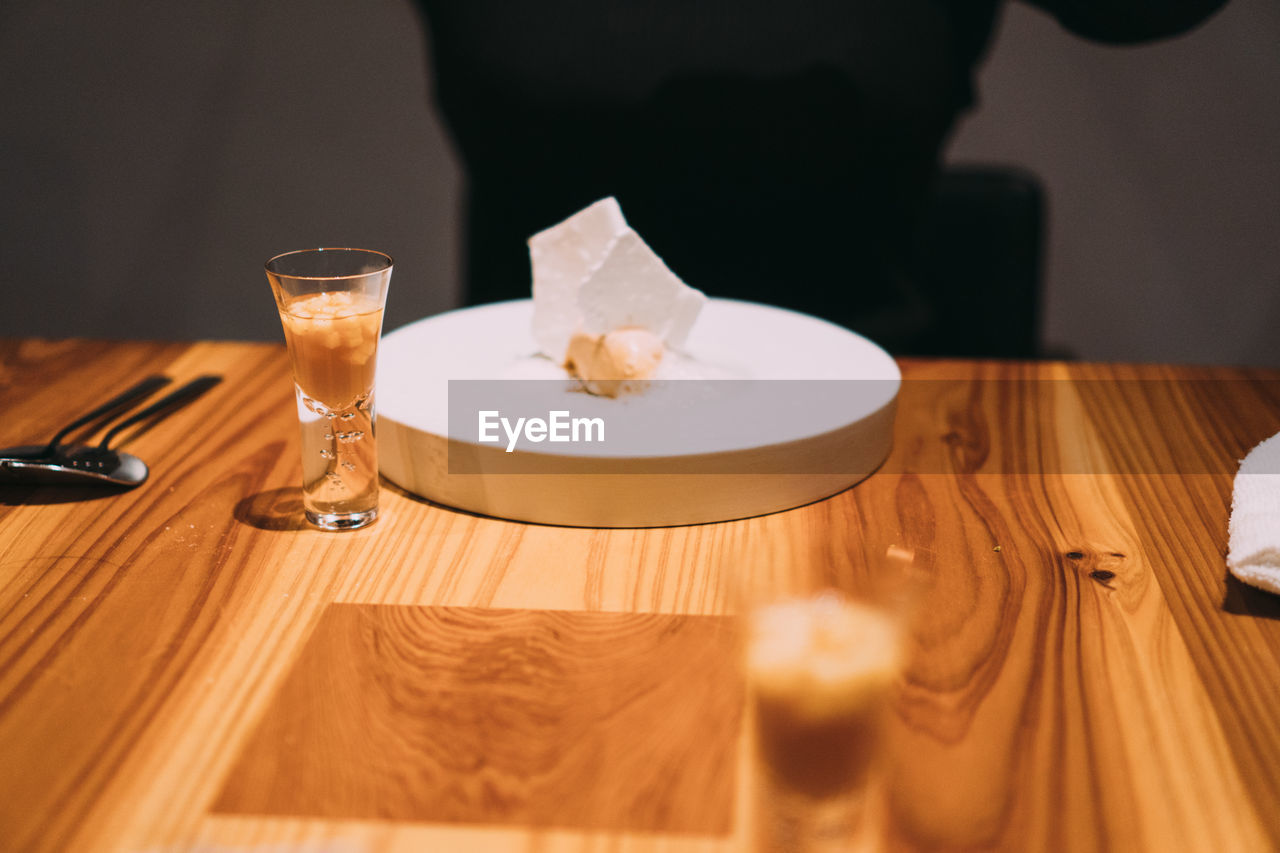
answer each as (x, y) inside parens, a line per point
(192, 389)
(142, 389)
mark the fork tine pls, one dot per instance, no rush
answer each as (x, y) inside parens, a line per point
(142, 389)
(192, 389)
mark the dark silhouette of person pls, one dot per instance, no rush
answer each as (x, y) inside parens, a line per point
(771, 151)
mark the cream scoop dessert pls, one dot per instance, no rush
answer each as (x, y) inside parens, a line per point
(604, 304)
(606, 364)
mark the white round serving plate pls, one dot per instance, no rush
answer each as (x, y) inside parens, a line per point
(742, 466)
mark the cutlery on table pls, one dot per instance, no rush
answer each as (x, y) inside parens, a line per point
(120, 401)
(82, 463)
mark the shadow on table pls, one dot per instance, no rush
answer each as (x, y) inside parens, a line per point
(281, 509)
(388, 486)
(275, 509)
(1244, 600)
(12, 495)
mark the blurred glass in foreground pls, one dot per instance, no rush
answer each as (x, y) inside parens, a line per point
(820, 671)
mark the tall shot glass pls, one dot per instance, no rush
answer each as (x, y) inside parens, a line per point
(331, 303)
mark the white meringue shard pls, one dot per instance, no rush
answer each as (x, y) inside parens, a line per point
(593, 274)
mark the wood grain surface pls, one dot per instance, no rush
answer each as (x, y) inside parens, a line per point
(186, 666)
(511, 717)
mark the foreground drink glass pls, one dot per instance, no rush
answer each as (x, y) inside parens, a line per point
(820, 671)
(331, 303)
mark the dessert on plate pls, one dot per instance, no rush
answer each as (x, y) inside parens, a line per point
(605, 306)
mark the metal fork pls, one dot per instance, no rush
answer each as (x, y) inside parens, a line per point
(79, 463)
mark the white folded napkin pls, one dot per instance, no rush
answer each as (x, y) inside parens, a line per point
(1253, 553)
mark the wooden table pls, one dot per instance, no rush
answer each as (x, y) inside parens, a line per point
(186, 667)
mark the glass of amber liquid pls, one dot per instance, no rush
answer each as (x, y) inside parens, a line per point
(820, 670)
(331, 303)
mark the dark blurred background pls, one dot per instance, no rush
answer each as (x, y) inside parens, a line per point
(155, 154)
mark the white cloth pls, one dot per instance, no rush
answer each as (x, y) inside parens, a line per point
(1253, 553)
